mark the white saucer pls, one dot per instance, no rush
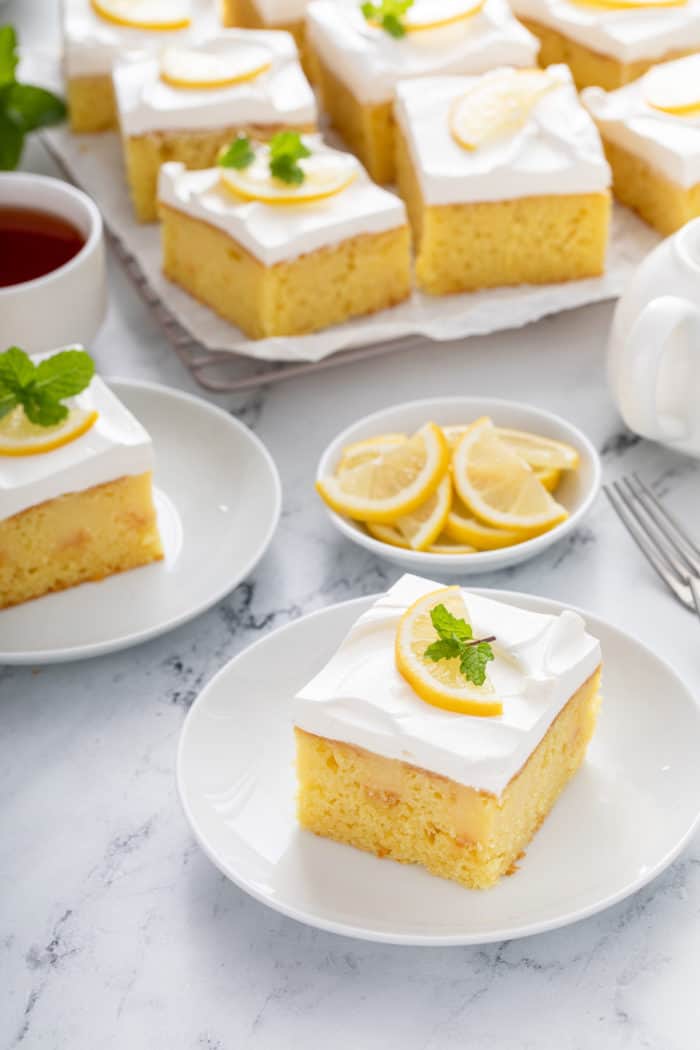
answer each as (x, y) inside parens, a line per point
(218, 497)
(625, 816)
(577, 491)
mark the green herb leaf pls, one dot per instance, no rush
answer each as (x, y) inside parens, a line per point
(445, 649)
(64, 374)
(473, 661)
(11, 142)
(42, 409)
(16, 368)
(238, 155)
(455, 641)
(8, 55)
(388, 14)
(286, 149)
(8, 400)
(41, 388)
(448, 626)
(33, 107)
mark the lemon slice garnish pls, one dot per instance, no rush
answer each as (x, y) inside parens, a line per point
(394, 484)
(325, 174)
(497, 105)
(675, 88)
(20, 437)
(159, 15)
(629, 5)
(439, 683)
(500, 488)
(433, 14)
(188, 68)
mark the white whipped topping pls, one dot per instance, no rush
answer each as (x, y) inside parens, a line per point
(278, 95)
(370, 62)
(276, 232)
(668, 142)
(360, 698)
(281, 12)
(114, 447)
(557, 151)
(92, 45)
(627, 35)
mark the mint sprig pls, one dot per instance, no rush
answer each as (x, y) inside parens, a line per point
(238, 155)
(286, 150)
(23, 107)
(40, 389)
(388, 15)
(456, 641)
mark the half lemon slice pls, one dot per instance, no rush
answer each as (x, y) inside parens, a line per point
(392, 485)
(190, 69)
(499, 487)
(422, 527)
(368, 449)
(20, 437)
(325, 174)
(497, 105)
(440, 683)
(433, 14)
(675, 90)
(161, 15)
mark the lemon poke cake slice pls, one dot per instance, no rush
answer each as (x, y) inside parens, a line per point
(611, 42)
(651, 134)
(285, 237)
(359, 53)
(288, 15)
(76, 500)
(504, 178)
(187, 103)
(445, 728)
(97, 33)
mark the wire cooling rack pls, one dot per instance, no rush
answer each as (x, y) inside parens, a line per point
(223, 371)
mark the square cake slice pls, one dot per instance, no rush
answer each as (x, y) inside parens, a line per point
(357, 64)
(461, 794)
(187, 103)
(288, 15)
(609, 45)
(80, 511)
(504, 178)
(285, 258)
(651, 134)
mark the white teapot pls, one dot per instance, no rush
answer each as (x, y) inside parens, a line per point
(654, 349)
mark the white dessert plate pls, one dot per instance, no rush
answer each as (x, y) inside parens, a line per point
(577, 490)
(218, 497)
(626, 815)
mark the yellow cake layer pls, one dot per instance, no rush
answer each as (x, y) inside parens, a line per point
(528, 240)
(590, 68)
(144, 154)
(663, 204)
(91, 104)
(244, 13)
(228, 13)
(78, 537)
(368, 131)
(396, 810)
(357, 276)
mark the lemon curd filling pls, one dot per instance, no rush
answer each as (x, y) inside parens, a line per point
(447, 782)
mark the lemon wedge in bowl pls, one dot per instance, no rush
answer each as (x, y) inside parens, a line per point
(160, 15)
(20, 437)
(325, 173)
(440, 683)
(418, 530)
(392, 485)
(201, 70)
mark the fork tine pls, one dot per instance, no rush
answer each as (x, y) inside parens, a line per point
(646, 547)
(683, 543)
(659, 533)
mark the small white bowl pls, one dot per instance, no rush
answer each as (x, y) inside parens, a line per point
(577, 491)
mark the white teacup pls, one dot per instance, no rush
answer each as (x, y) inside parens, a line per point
(654, 350)
(68, 304)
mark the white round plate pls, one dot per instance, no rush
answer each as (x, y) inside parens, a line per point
(624, 817)
(577, 490)
(218, 498)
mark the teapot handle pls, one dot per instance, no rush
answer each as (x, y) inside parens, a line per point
(641, 360)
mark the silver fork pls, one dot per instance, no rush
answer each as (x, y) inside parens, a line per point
(660, 537)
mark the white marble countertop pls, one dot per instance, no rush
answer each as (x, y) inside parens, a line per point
(116, 931)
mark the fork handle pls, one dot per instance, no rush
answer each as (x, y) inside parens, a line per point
(665, 324)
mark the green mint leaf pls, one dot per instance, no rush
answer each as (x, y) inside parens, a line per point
(393, 25)
(16, 369)
(41, 408)
(64, 374)
(449, 626)
(8, 400)
(238, 155)
(473, 661)
(288, 144)
(11, 142)
(388, 15)
(286, 170)
(33, 107)
(8, 55)
(445, 649)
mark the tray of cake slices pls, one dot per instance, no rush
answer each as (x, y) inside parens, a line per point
(380, 172)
